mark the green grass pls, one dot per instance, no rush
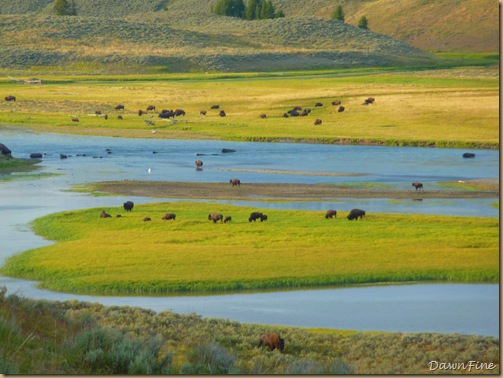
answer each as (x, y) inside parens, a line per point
(422, 108)
(291, 249)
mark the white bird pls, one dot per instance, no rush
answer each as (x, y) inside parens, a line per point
(149, 170)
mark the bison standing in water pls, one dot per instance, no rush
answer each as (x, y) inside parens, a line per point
(272, 341)
(128, 205)
(418, 185)
(199, 164)
(331, 214)
(355, 214)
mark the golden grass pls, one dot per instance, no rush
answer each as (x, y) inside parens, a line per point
(291, 249)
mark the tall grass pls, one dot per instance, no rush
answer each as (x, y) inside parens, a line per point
(290, 249)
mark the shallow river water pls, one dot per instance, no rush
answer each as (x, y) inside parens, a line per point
(472, 309)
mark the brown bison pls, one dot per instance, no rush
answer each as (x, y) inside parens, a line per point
(336, 102)
(4, 150)
(222, 113)
(128, 205)
(417, 185)
(318, 104)
(263, 115)
(97, 112)
(147, 219)
(215, 106)
(318, 122)
(256, 215)
(119, 117)
(468, 155)
(75, 119)
(166, 113)
(215, 217)
(169, 216)
(105, 215)
(341, 109)
(202, 112)
(119, 107)
(140, 112)
(199, 164)
(331, 214)
(369, 100)
(272, 341)
(179, 112)
(228, 218)
(10, 98)
(150, 107)
(235, 182)
(355, 214)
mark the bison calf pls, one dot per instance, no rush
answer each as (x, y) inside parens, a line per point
(228, 218)
(272, 341)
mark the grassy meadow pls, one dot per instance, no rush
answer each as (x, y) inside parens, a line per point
(445, 108)
(291, 249)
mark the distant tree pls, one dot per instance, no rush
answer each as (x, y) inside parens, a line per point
(64, 8)
(338, 13)
(251, 10)
(233, 8)
(363, 23)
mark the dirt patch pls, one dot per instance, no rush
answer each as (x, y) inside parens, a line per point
(217, 191)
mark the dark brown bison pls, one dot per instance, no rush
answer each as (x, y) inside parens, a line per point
(318, 104)
(256, 215)
(228, 218)
(128, 205)
(202, 112)
(272, 341)
(293, 113)
(318, 122)
(36, 155)
(336, 102)
(150, 107)
(285, 115)
(331, 214)
(355, 214)
(263, 115)
(119, 107)
(215, 106)
(166, 113)
(235, 182)
(169, 216)
(179, 112)
(97, 112)
(215, 217)
(199, 164)
(10, 98)
(222, 113)
(305, 112)
(369, 100)
(468, 155)
(227, 150)
(75, 119)
(105, 215)
(147, 219)
(417, 185)
(140, 112)
(341, 109)
(5, 150)
(119, 117)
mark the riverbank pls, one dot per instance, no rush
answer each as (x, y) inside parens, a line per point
(291, 192)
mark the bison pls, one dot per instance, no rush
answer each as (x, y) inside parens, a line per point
(272, 341)
(4, 150)
(228, 218)
(215, 217)
(199, 164)
(318, 104)
(36, 155)
(355, 214)
(75, 119)
(341, 109)
(235, 182)
(10, 98)
(263, 115)
(318, 122)
(147, 219)
(166, 114)
(202, 112)
(128, 205)
(169, 216)
(105, 215)
(150, 107)
(179, 112)
(336, 102)
(331, 214)
(417, 185)
(256, 215)
(215, 106)
(119, 107)
(222, 113)
(468, 155)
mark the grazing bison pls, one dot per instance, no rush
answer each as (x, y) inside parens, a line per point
(285, 115)
(147, 219)
(228, 218)
(318, 122)
(150, 107)
(5, 150)
(215, 217)
(468, 155)
(215, 106)
(256, 215)
(169, 216)
(369, 100)
(341, 109)
(97, 112)
(179, 112)
(119, 107)
(293, 113)
(105, 215)
(222, 113)
(128, 205)
(417, 185)
(10, 98)
(305, 112)
(75, 119)
(202, 112)
(336, 102)
(199, 164)
(263, 115)
(331, 214)
(166, 113)
(235, 182)
(272, 341)
(119, 117)
(355, 214)
(140, 112)
(318, 104)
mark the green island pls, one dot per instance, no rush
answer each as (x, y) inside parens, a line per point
(69, 63)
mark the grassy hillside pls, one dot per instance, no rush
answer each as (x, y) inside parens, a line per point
(143, 35)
